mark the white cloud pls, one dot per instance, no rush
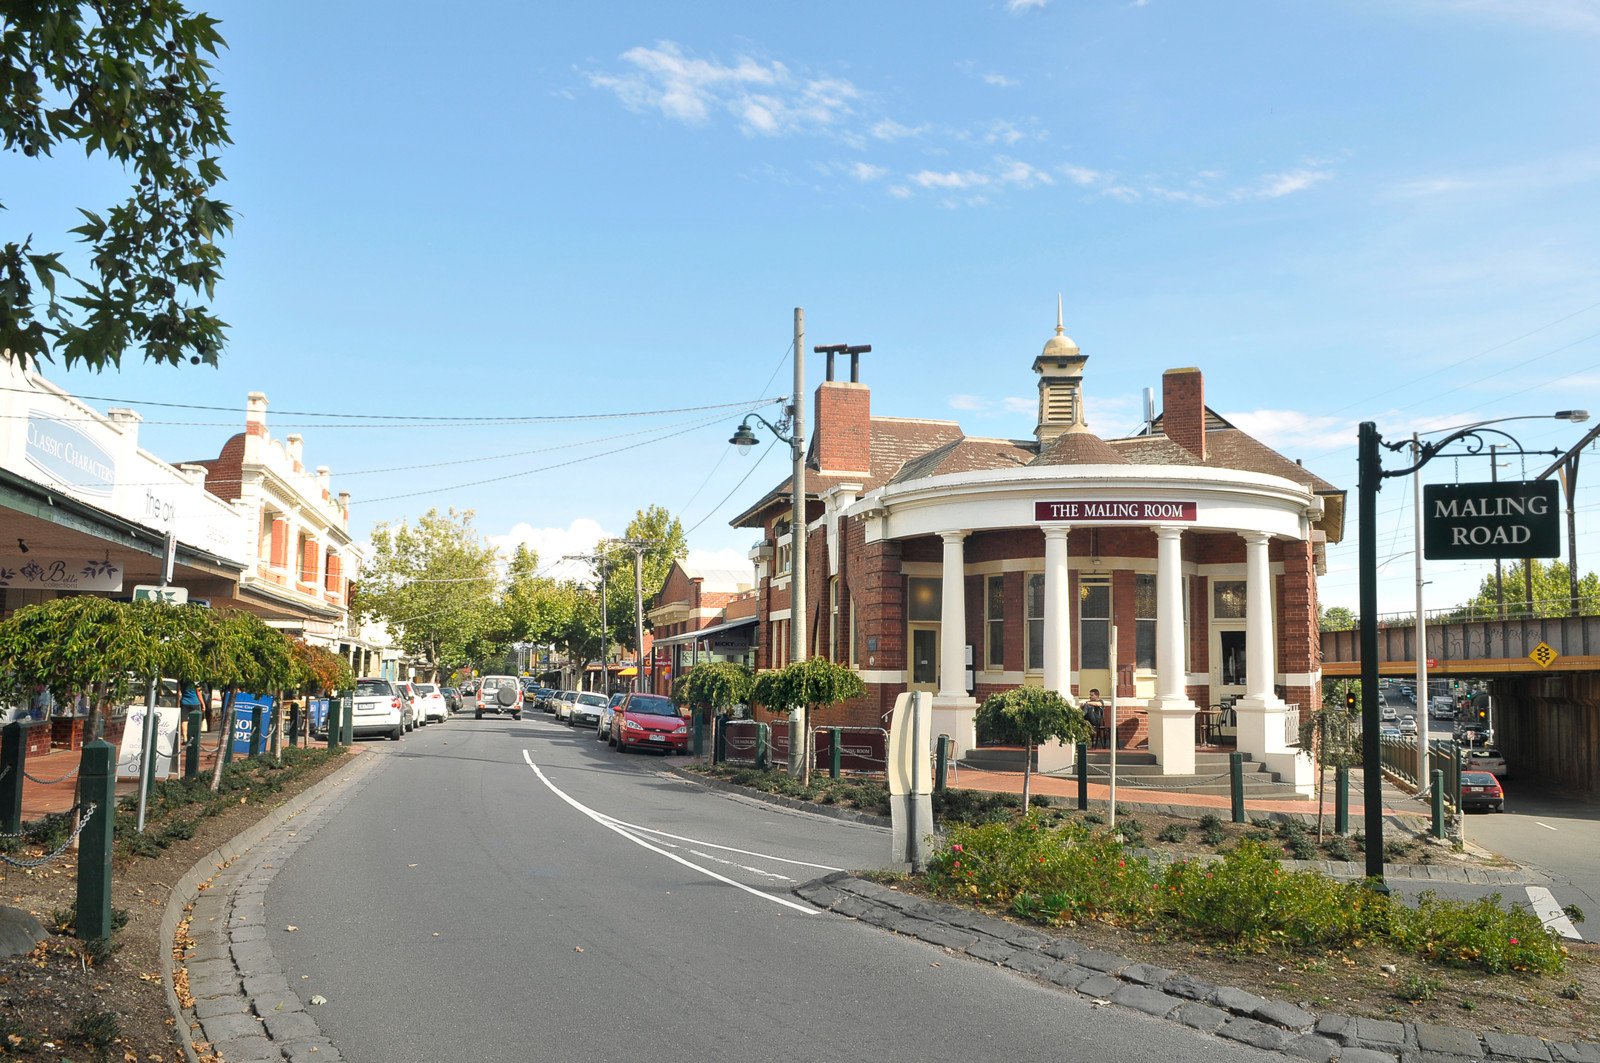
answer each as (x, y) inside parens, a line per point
(1003, 132)
(1019, 404)
(1580, 15)
(1000, 81)
(1519, 179)
(1081, 175)
(969, 402)
(1022, 174)
(889, 129)
(764, 98)
(1284, 184)
(1289, 430)
(865, 171)
(728, 560)
(552, 544)
(949, 179)
(1017, 6)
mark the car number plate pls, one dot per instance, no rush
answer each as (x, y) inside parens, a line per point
(657, 738)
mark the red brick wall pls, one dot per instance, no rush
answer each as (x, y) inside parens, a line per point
(1183, 409)
(223, 474)
(842, 427)
(1299, 644)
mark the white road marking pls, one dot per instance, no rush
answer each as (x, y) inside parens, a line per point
(606, 822)
(714, 845)
(1546, 826)
(743, 867)
(1550, 913)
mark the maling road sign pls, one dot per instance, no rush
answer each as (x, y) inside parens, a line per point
(1484, 521)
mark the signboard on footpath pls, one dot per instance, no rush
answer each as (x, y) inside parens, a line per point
(244, 723)
(1486, 521)
(128, 756)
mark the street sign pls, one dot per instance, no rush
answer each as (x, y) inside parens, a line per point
(144, 592)
(1486, 521)
(1543, 655)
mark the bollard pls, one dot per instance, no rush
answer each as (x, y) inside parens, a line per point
(941, 766)
(347, 718)
(1341, 800)
(331, 723)
(191, 752)
(294, 723)
(719, 740)
(1438, 802)
(761, 747)
(836, 740)
(1236, 784)
(1083, 776)
(255, 730)
(97, 773)
(699, 734)
(13, 761)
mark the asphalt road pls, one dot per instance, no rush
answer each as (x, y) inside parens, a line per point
(504, 890)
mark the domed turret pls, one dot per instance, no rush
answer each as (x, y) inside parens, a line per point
(1060, 368)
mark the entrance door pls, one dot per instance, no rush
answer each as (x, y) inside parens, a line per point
(1094, 636)
(925, 657)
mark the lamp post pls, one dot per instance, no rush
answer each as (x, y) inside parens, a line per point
(1370, 475)
(638, 546)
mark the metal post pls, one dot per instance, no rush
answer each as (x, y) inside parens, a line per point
(1112, 650)
(13, 759)
(1236, 784)
(255, 730)
(334, 725)
(638, 619)
(191, 751)
(1438, 802)
(797, 531)
(1341, 800)
(719, 742)
(1083, 776)
(145, 736)
(699, 733)
(1369, 471)
(761, 747)
(97, 775)
(941, 766)
(837, 736)
(1421, 623)
(294, 723)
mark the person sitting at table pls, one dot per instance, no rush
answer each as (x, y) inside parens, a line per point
(1094, 710)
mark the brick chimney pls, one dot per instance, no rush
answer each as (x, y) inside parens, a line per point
(1183, 409)
(841, 430)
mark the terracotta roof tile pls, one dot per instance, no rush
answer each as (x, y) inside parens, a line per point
(1078, 448)
(965, 455)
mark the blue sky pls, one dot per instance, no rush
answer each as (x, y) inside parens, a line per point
(1340, 212)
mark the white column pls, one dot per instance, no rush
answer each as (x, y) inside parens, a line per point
(953, 709)
(1171, 712)
(1055, 756)
(1262, 716)
(1057, 613)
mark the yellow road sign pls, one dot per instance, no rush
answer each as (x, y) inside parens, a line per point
(1543, 655)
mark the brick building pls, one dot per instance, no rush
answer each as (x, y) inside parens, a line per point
(965, 566)
(701, 614)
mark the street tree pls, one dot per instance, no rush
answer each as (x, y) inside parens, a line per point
(249, 656)
(1337, 618)
(714, 686)
(432, 584)
(1032, 716)
(797, 688)
(1552, 593)
(131, 83)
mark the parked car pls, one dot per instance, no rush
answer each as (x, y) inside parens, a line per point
(1408, 725)
(1486, 759)
(530, 693)
(499, 694)
(431, 703)
(648, 721)
(377, 708)
(408, 692)
(452, 698)
(603, 728)
(587, 709)
(1479, 789)
(564, 702)
(551, 699)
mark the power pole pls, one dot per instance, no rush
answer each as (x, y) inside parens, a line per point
(638, 546)
(599, 560)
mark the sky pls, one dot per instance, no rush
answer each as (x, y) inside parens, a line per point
(607, 212)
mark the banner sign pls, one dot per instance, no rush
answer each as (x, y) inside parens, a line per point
(34, 571)
(66, 454)
(243, 724)
(863, 750)
(128, 756)
(1132, 510)
(1484, 521)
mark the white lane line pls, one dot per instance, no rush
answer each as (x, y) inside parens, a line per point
(714, 845)
(742, 867)
(1546, 826)
(605, 822)
(1550, 913)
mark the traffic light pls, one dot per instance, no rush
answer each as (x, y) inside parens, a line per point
(1350, 700)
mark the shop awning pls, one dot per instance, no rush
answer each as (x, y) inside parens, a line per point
(628, 672)
(705, 632)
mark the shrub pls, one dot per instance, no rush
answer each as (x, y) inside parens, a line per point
(1173, 832)
(1478, 933)
(1212, 832)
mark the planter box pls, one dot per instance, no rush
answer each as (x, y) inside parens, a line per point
(66, 732)
(36, 737)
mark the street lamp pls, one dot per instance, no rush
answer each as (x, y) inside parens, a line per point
(1370, 477)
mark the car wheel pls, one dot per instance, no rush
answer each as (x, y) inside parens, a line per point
(516, 715)
(477, 716)
(394, 735)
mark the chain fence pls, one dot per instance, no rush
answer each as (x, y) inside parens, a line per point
(28, 864)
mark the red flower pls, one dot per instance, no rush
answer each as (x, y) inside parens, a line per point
(1514, 941)
(956, 849)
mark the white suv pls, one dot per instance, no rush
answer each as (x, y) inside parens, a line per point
(499, 694)
(431, 705)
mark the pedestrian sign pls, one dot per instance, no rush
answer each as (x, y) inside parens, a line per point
(1543, 655)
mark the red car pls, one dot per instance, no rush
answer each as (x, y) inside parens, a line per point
(648, 721)
(1479, 789)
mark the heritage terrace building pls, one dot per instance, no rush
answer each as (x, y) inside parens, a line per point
(966, 566)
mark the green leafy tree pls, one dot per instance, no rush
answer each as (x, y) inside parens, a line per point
(249, 656)
(668, 544)
(714, 686)
(796, 689)
(1552, 593)
(1032, 715)
(130, 82)
(1337, 618)
(96, 647)
(432, 584)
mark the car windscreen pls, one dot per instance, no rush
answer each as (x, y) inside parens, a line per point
(374, 686)
(426, 688)
(591, 699)
(1476, 778)
(653, 706)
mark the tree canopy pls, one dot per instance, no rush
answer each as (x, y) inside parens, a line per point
(1032, 715)
(129, 81)
(1552, 593)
